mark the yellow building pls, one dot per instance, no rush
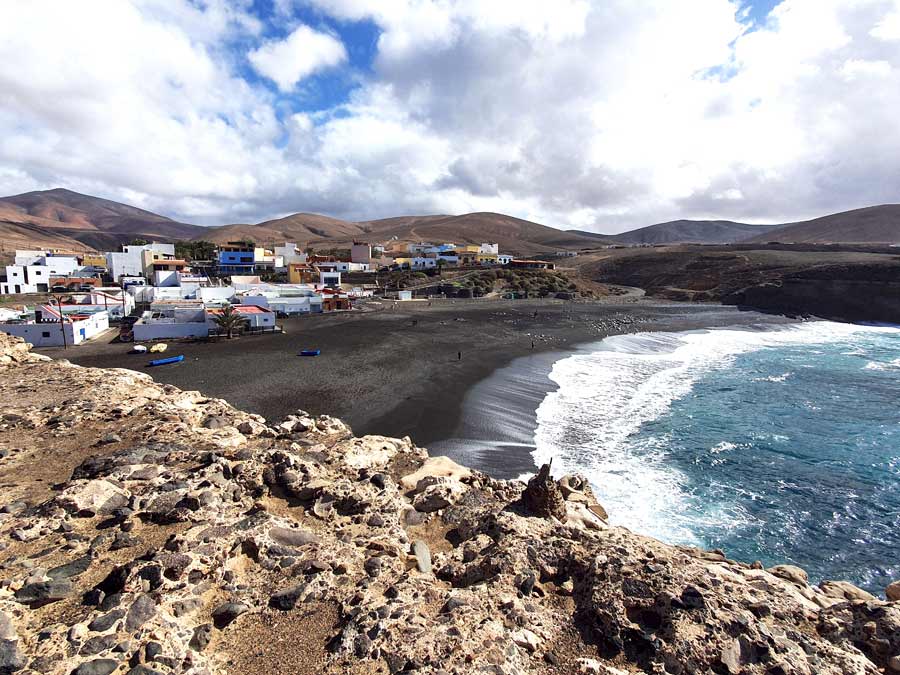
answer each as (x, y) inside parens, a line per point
(487, 259)
(302, 273)
(93, 260)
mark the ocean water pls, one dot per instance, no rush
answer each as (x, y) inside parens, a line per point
(780, 444)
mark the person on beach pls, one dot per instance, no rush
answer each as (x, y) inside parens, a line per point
(459, 356)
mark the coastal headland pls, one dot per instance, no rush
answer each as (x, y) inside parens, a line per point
(147, 529)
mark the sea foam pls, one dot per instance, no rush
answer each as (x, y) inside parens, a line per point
(608, 392)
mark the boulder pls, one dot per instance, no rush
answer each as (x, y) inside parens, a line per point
(790, 573)
(96, 497)
(844, 590)
(892, 592)
(227, 612)
(542, 496)
(436, 467)
(43, 593)
(290, 537)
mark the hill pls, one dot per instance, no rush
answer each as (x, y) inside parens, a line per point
(514, 235)
(691, 232)
(870, 225)
(65, 219)
(304, 228)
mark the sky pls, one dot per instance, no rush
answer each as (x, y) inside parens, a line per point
(602, 115)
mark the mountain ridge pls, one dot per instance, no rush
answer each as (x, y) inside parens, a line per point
(62, 218)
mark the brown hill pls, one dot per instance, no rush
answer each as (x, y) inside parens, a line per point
(302, 228)
(870, 225)
(58, 217)
(514, 235)
(691, 232)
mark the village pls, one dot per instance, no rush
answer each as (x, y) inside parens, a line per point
(152, 291)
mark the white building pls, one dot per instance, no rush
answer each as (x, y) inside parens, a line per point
(490, 249)
(130, 260)
(255, 318)
(504, 259)
(114, 301)
(291, 305)
(289, 253)
(35, 276)
(329, 279)
(172, 319)
(46, 329)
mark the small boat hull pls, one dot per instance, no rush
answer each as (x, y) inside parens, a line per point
(163, 362)
(310, 352)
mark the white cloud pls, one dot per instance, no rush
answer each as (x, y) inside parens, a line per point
(591, 114)
(299, 55)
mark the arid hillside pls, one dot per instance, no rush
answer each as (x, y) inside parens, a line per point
(301, 228)
(871, 225)
(691, 232)
(850, 285)
(59, 217)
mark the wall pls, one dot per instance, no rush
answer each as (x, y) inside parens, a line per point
(215, 293)
(35, 332)
(162, 331)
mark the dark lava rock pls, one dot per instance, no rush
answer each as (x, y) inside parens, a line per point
(142, 610)
(285, 599)
(72, 569)
(288, 537)
(98, 644)
(373, 566)
(141, 669)
(96, 667)
(11, 659)
(542, 496)
(104, 622)
(225, 613)
(44, 592)
(202, 636)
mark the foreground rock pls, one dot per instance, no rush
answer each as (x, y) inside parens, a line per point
(186, 546)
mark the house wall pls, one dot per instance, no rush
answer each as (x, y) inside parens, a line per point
(50, 334)
(361, 253)
(215, 293)
(165, 331)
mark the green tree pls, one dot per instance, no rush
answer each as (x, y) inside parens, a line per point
(229, 320)
(138, 242)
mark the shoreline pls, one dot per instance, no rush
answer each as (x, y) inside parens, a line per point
(396, 372)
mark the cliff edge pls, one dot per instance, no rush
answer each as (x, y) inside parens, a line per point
(152, 530)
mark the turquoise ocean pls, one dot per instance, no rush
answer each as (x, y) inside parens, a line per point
(779, 444)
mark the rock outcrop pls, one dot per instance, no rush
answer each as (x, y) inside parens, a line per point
(151, 530)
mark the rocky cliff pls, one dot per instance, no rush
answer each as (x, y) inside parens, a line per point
(151, 530)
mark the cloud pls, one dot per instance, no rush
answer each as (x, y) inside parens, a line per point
(299, 55)
(603, 115)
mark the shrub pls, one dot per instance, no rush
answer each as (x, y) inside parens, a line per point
(464, 293)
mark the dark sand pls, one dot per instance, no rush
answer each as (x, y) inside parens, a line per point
(383, 374)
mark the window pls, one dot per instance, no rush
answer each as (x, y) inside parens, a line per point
(45, 333)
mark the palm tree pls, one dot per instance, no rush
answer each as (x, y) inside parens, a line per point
(228, 320)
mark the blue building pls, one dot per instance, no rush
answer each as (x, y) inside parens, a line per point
(236, 258)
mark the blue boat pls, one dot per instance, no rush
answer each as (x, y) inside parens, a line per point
(310, 352)
(171, 359)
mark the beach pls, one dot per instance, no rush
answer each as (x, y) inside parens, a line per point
(399, 369)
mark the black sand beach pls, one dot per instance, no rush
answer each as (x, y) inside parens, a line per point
(398, 371)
